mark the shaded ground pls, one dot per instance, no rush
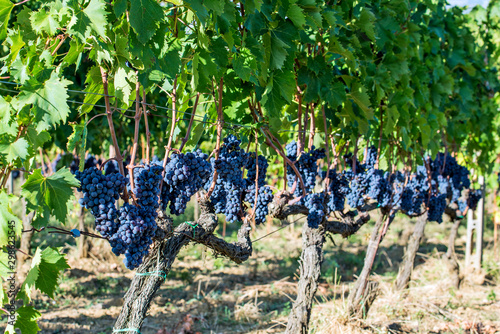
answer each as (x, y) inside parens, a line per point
(256, 297)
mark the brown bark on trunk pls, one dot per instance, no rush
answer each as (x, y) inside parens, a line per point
(83, 241)
(310, 272)
(364, 293)
(152, 273)
(406, 267)
(26, 237)
(451, 258)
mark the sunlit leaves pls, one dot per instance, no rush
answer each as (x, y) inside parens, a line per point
(5, 10)
(51, 193)
(49, 100)
(144, 18)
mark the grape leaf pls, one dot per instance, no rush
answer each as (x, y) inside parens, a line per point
(26, 320)
(122, 86)
(44, 21)
(296, 14)
(216, 5)
(144, 17)
(14, 150)
(51, 192)
(75, 137)
(36, 138)
(7, 216)
(96, 13)
(91, 17)
(49, 100)
(5, 10)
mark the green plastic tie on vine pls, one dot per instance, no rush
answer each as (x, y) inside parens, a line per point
(153, 273)
(194, 228)
(378, 205)
(126, 330)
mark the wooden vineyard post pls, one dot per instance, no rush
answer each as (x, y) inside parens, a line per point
(475, 225)
(496, 222)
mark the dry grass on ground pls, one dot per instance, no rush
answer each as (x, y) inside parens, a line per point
(211, 295)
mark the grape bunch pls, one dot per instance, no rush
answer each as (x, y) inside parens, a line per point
(185, 174)
(137, 224)
(134, 235)
(359, 184)
(338, 188)
(251, 167)
(265, 194)
(314, 203)
(264, 197)
(227, 194)
(306, 164)
(437, 205)
(100, 193)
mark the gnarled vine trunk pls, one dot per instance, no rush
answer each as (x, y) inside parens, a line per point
(364, 292)
(310, 272)
(406, 267)
(451, 257)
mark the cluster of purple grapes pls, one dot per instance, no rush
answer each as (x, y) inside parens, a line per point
(100, 193)
(265, 194)
(338, 189)
(314, 203)
(306, 164)
(227, 194)
(185, 174)
(137, 224)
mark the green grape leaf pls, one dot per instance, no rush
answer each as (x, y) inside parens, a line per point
(7, 217)
(19, 71)
(14, 150)
(5, 9)
(120, 7)
(91, 17)
(16, 43)
(358, 94)
(29, 284)
(216, 5)
(275, 48)
(279, 91)
(37, 139)
(51, 192)
(122, 86)
(75, 137)
(44, 21)
(296, 14)
(26, 320)
(49, 99)
(96, 12)
(144, 17)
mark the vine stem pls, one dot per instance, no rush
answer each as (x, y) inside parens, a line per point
(256, 176)
(304, 133)
(172, 128)
(312, 128)
(327, 180)
(148, 134)
(220, 120)
(299, 117)
(269, 137)
(63, 38)
(109, 116)
(380, 138)
(354, 156)
(188, 131)
(137, 119)
(283, 155)
(174, 116)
